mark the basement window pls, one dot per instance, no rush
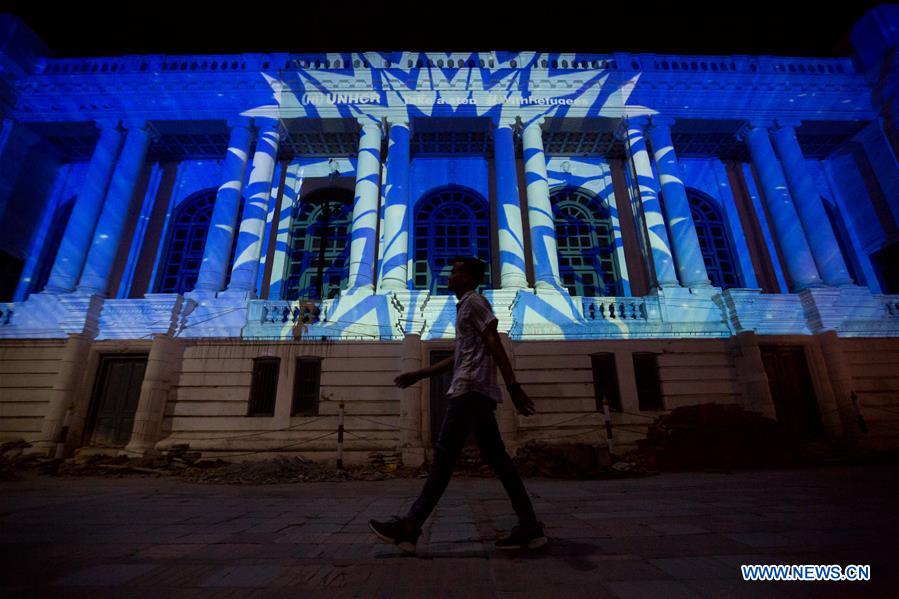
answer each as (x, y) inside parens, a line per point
(605, 381)
(649, 390)
(306, 386)
(264, 387)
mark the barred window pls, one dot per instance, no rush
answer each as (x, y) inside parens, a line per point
(714, 241)
(318, 255)
(586, 244)
(264, 387)
(306, 384)
(649, 390)
(449, 222)
(605, 381)
(186, 241)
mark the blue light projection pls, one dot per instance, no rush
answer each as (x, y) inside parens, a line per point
(391, 250)
(420, 85)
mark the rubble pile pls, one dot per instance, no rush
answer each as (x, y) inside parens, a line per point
(713, 435)
(281, 469)
(573, 461)
(13, 461)
(389, 462)
(471, 464)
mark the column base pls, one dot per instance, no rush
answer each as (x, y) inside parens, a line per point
(847, 310)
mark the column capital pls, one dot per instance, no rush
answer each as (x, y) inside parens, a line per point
(534, 122)
(510, 122)
(131, 125)
(367, 122)
(787, 123)
(639, 121)
(267, 124)
(108, 124)
(752, 125)
(657, 121)
(397, 121)
(239, 122)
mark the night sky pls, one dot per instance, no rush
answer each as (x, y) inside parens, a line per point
(778, 28)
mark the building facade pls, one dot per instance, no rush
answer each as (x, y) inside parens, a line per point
(236, 251)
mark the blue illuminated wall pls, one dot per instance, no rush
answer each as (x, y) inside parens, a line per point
(280, 128)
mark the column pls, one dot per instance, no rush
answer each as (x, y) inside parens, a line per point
(659, 244)
(64, 392)
(108, 234)
(162, 366)
(16, 142)
(785, 220)
(252, 224)
(411, 445)
(220, 237)
(818, 229)
(685, 242)
(365, 207)
(393, 271)
(508, 210)
(80, 229)
(540, 213)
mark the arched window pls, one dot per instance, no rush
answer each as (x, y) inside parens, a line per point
(449, 222)
(186, 241)
(318, 255)
(586, 242)
(714, 241)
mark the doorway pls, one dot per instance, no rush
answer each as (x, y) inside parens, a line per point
(114, 400)
(792, 391)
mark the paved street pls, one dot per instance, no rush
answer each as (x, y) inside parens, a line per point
(672, 536)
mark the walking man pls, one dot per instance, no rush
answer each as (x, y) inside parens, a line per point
(473, 395)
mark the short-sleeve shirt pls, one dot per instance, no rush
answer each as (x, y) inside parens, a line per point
(474, 369)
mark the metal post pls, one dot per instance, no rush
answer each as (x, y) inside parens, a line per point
(608, 420)
(862, 425)
(340, 438)
(63, 433)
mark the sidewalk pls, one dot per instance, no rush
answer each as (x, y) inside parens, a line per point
(672, 536)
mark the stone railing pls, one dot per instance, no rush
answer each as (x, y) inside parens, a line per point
(6, 313)
(614, 308)
(283, 312)
(890, 303)
(828, 67)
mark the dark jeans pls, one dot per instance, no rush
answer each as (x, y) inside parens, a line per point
(471, 412)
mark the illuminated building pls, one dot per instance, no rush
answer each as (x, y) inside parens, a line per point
(218, 250)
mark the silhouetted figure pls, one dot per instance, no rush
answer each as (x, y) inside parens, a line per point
(473, 395)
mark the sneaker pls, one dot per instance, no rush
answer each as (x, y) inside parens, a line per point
(397, 531)
(529, 536)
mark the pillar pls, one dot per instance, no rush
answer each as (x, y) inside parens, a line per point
(108, 234)
(840, 379)
(411, 445)
(365, 207)
(220, 238)
(80, 229)
(508, 210)
(785, 220)
(65, 392)
(540, 213)
(255, 210)
(647, 188)
(818, 229)
(751, 374)
(394, 265)
(165, 353)
(690, 265)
